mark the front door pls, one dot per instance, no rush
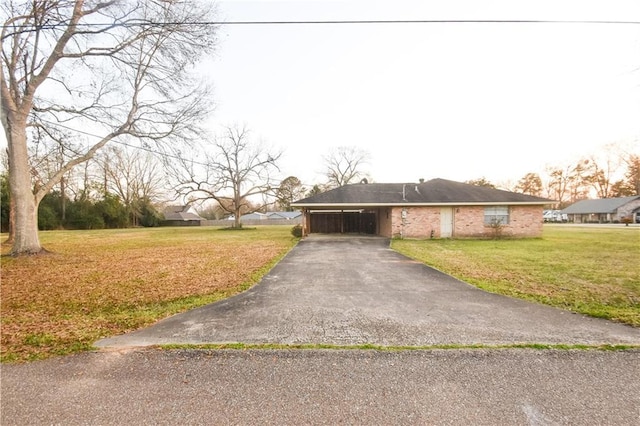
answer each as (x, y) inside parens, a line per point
(446, 222)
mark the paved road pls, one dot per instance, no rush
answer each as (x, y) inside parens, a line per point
(342, 291)
(452, 387)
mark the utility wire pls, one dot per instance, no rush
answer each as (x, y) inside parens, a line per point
(114, 140)
(339, 22)
(422, 21)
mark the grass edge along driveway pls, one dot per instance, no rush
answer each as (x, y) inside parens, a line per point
(592, 271)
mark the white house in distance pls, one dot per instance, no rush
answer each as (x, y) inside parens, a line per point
(604, 210)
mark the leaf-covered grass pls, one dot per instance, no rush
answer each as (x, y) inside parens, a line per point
(95, 284)
(591, 270)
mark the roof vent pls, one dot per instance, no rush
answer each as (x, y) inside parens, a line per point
(364, 181)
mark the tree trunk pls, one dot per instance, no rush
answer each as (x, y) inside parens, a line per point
(25, 230)
(236, 219)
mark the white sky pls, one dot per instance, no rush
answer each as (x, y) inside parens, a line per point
(456, 101)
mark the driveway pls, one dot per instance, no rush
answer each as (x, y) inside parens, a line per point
(356, 290)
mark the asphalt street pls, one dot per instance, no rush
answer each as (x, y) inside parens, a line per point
(229, 387)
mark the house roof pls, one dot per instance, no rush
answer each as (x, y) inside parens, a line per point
(602, 205)
(432, 192)
(284, 215)
(253, 216)
(270, 215)
(180, 213)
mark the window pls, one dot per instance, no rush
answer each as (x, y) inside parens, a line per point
(496, 214)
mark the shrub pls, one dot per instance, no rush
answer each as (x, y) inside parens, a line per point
(296, 231)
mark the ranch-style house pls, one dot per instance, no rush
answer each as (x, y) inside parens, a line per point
(437, 208)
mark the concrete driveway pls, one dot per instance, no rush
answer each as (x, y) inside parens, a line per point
(355, 290)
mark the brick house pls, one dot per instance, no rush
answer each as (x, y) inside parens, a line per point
(437, 208)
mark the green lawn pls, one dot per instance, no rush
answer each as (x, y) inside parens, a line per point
(591, 270)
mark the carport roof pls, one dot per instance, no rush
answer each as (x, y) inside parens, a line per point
(432, 192)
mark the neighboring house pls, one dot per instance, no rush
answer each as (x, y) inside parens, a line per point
(271, 216)
(437, 208)
(284, 215)
(604, 210)
(181, 216)
(253, 216)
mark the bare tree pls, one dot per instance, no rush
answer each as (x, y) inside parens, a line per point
(110, 68)
(344, 165)
(236, 171)
(599, 170)
(567, 184)
(133, 176)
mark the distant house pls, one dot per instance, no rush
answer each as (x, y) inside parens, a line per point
(253, 216)
(604, 210)
(284, 215)
(181, 216)
(270, 216)
(437, 208)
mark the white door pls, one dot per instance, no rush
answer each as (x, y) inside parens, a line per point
(446, 222)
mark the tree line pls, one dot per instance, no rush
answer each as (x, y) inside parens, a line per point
(612, 173)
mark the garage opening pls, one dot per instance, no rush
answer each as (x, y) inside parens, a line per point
(343, 222)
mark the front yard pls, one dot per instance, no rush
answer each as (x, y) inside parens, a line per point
(590, 270)
(96, 284)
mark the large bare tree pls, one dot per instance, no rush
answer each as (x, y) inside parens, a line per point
(105, 68)
(235, 171)
(345, 165)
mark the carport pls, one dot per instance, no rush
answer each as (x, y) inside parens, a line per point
(342, 222)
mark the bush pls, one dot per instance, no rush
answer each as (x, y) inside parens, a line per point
(149, 216)
(47, 218)
(296, 231)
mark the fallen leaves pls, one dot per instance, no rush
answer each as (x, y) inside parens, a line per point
(100, 283)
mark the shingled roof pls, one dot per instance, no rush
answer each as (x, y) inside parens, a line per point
(432, 192)
(602, 205)
(180, 213)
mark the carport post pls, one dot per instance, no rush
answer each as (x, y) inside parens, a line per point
(342, 221)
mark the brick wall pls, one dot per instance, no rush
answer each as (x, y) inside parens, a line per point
(418, 222)
(384, 222)
(468, 222)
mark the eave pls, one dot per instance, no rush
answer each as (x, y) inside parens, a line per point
(344, 206)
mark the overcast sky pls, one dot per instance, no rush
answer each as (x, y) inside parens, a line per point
(452, 100)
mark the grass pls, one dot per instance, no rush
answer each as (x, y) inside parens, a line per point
(382, 348)
(96, 284)
(590, 270)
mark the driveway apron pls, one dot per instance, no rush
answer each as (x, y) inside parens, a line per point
(349, 290)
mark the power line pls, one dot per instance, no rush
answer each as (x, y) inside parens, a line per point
(423, 21)
(337, 22)
(114, 140)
